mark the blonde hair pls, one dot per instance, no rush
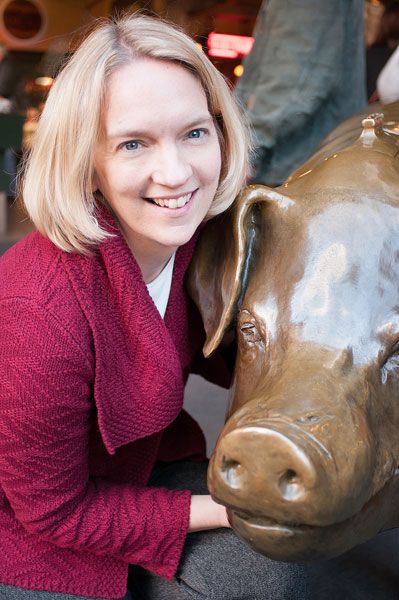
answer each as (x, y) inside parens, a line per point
(58, 174)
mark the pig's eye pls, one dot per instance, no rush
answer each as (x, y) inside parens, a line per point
(250, 332)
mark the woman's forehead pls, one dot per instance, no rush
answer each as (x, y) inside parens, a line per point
(143, 72)
(146, 91)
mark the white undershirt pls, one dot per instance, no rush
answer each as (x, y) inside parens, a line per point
(159, 288)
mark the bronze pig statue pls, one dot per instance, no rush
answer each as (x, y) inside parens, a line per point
(307, 462)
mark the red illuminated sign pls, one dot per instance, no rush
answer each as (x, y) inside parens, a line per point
(224, 45)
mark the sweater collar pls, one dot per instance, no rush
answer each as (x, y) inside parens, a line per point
(138, 386)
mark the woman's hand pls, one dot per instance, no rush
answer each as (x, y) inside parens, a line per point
(205, 513)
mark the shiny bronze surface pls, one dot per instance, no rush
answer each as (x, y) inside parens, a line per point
(308, 274)
(347, 133)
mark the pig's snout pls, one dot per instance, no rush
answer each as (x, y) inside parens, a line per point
(257, 456)
(285, 474)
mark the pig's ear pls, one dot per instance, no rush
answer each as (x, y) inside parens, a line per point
(218, 273)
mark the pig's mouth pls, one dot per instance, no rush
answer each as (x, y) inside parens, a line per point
(294, 541)
(270, 524)
(301, 542)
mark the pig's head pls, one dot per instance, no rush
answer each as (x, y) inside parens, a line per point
(309, 276)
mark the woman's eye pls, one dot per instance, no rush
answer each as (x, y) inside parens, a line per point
(131, 145)
(196, 134)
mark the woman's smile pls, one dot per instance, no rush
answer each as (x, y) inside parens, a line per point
(173, 202)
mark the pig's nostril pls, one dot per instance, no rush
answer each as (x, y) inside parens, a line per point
(290, 485)
(232, 472)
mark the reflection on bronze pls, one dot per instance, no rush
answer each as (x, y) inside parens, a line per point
(308, 274)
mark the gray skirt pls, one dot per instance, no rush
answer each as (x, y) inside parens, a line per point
(216, 564)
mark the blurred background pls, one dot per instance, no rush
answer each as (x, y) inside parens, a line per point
(35, 35)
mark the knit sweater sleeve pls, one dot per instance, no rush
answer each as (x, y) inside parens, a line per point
(45, 414)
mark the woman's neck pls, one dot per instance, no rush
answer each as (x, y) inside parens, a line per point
(151, 267)
(150, 256)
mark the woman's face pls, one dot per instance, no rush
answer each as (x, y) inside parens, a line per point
(158, 160)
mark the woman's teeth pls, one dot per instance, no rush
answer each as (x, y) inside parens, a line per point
(172, 202)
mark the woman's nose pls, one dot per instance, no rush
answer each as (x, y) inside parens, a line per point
(171, 167)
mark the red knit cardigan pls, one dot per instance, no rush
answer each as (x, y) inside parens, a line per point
(90, 377)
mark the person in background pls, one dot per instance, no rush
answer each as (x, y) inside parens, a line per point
(303, 76)
(101, 471)
(388, 80)
(380, 51)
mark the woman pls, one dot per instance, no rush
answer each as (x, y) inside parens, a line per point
(138, 144)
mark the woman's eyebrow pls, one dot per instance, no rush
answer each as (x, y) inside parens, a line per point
(207, 119)
(137, 133)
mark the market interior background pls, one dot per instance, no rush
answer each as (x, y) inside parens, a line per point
(35, 36)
